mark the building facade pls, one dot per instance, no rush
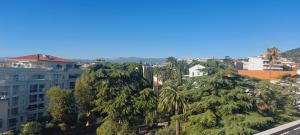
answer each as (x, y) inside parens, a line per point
(24, 82)
(259, 63)
(195, 71)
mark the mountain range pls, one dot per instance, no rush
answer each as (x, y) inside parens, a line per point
(293, 54)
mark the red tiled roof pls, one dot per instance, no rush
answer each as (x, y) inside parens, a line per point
(40, 57)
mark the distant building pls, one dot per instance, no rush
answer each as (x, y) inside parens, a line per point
(195, 71)
(24, 82)
(259, 63)
(2, 64)
(289, 63)
(239, 65)
(94, 62)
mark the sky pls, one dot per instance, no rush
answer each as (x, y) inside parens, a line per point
(90, 29)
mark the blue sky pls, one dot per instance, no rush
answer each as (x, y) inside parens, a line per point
(147, 28)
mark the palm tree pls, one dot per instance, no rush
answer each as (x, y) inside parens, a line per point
(172, 101)
(272, 55)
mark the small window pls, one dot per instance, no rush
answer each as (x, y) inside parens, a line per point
(12, 122)
(58, 66)
(40, 115)
(41, 87)
(15, 111)
(74, 76)
(31, 117)
(21, 118)
(32, 107)
(38, 77)
(41, 106)
(32, 98)
(72, 85)
(15, 77)
(33, 88)
(15, 101)
(16, 89)
(41, 97)
(1, 123)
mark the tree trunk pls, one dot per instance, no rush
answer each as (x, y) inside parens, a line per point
(177, 125)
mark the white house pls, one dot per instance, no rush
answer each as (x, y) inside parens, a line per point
(196, 71)
(259, 63)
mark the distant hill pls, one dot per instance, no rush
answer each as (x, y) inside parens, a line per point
(293, 54)
(136, 60)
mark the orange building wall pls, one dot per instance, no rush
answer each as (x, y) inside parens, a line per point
(265, 74)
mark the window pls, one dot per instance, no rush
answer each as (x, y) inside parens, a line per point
(1, 123)
(12, 122)
(41, 106)
(15, 101)
(32, 98)
(31, 117)
(15, 77)
(40, 114)
(21, 118)
(41, 87)
(32, 107)
(15, 89)
(74, 76)
(58, 66)
(72, 85)
(33, 88)
(41, 97)
(38, 77)
(15, 111)
(69, 66)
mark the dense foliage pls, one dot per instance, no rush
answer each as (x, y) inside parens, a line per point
(225, 103)
(32, 128)
(61, 106)
(118, 100)
(118, 93)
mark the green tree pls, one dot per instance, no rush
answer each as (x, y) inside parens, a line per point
(61, 105)
(221, 105)
(122, 97)
(32, 128)
(85, 96)
(172, 61)
(171, 101)
(276, 101)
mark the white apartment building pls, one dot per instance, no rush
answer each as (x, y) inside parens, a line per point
(24, 82)
(195, 71)
(259, 63)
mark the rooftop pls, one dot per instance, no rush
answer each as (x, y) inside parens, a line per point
(40, 57)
